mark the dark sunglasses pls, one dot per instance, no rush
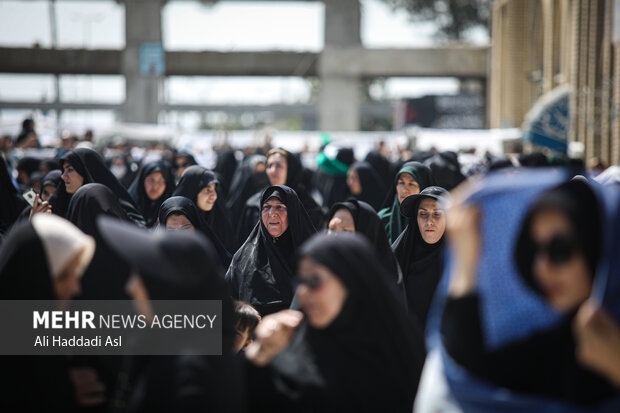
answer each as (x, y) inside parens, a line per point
(559, 250)
(312, 283)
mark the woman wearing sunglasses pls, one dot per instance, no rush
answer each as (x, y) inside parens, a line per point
(556, 254)
(352, 349)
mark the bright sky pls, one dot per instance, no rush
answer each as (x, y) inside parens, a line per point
(192, 25)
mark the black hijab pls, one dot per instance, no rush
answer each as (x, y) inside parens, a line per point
(446, 169)
(106, 276)
(373, 190)
(225, 167)
(261, 271)
(177, 265)
(91, 167)
(148, 208)
(421, 263)
(343, 367)
(24, 271)
(245, 183)
(184, 206)
(294, 180)
(367, 223)
(194, 179)
(11, 201)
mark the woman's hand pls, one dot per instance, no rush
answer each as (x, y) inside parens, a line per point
(598, 341)
(40, 208)
(89, 391)
(273, 334)
(463, 229)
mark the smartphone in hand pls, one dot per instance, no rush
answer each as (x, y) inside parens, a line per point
(30, 197)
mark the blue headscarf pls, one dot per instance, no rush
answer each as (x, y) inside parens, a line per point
(504, 199)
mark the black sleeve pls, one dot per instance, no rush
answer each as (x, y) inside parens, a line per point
(513, 366)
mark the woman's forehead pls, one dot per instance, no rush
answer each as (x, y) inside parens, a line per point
(273, 201)
(429, 203)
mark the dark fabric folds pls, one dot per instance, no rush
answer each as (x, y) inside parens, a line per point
(262, 269)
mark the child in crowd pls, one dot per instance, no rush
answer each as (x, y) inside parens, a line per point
(247, 319)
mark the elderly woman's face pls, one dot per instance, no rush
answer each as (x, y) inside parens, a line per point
(275, 217)
(431, 220)
(321, 294)
(559, 267)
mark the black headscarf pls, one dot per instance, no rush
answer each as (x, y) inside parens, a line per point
(421, 263)
(245, 183)
(343, 367)
(148, 208)
(194, 179)
(294, 180)
(393, 222)
(367, 223)
(381, 165)
(91, 167)
(52, 178)
(225, 167)
(373, 190)
(184, 206)
(446, 169)
(578, 203)
(177, 265)
(261, 271)
(11, 201)
(106, 276)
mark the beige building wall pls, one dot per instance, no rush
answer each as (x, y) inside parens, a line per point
(538, 45)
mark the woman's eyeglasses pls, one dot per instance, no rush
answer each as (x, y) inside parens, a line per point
(559, 250)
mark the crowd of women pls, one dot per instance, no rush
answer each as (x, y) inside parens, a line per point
(358, 286)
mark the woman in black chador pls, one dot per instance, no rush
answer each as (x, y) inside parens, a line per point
(177, 265)
(355, 350)
(557, 253)
(84, 166)
(357, 216)
(419, 249)
(261, 272)
(105, 278)
(200, 186)
(365, 184)
(283, 168)
(41, 259)
(153, 185)
(180, 213)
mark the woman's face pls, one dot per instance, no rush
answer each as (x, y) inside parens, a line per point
(406, 186)
(277, 169)
(73, 180)
(179, 223)
(48, 191)
(431, 220)
(342, 221)
(566, 281)
(321, 294)
(353, 182)
(206, 197)
(154, 185)
(275, 217)
(181, 163)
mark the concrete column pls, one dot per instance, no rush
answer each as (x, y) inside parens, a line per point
(339, 101)
(142, 25)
